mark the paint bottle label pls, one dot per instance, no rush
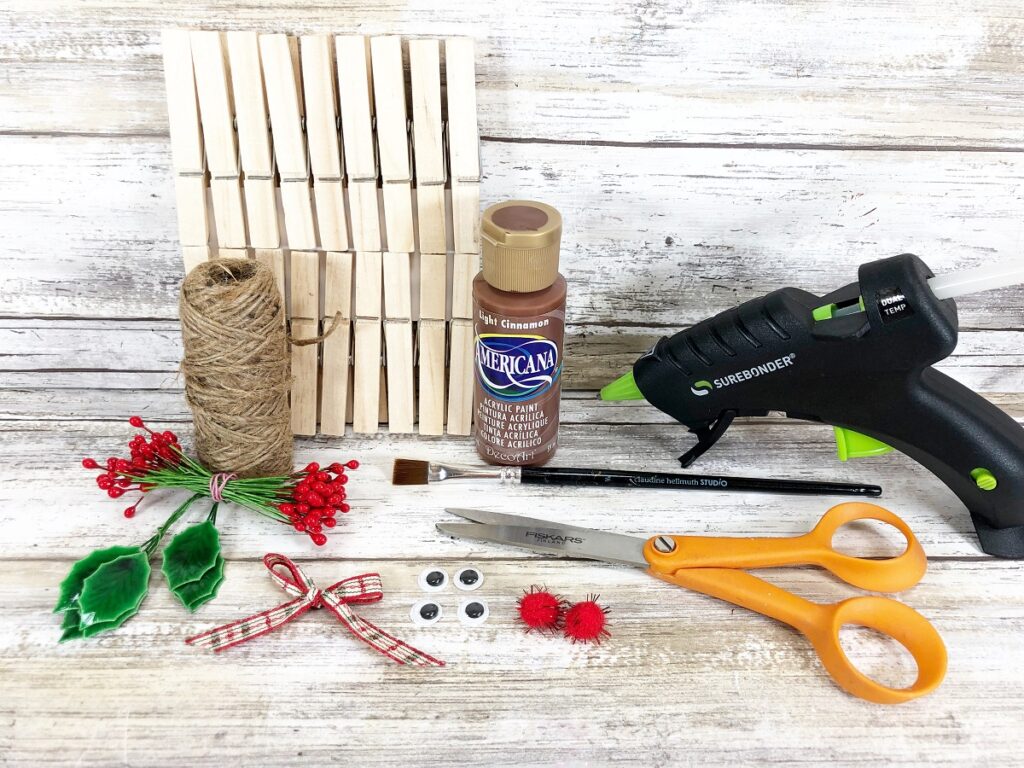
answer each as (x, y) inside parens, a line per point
(518, 363)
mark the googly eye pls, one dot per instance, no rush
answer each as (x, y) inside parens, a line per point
(473, 611)
(433, 579)
(468, 579)
(425, 612)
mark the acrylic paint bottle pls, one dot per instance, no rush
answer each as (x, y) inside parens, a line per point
(519, 325)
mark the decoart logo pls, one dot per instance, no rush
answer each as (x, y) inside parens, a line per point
(516, 368)
(704, 387)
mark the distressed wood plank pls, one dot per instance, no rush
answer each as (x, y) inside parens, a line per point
(652, 236)
(64, 395)
(774, 72)
(745, 690)
(991, 362)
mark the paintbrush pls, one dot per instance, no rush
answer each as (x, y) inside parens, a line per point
(413, 472)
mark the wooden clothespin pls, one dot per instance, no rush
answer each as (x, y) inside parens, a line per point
(328, 168)
(463, 144)
(255, 153)
(305, 323)
(432, 342)
(393, 147)
(366, 387)
(279, 55)
(216, 113)
(354, 94)
(428, 144)
(187, 156)
(464, 160)
(321, 102)
(398, 341)
(334, 394)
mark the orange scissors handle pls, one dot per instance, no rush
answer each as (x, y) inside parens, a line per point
(815, 548)
(821, 625)
(713, 566)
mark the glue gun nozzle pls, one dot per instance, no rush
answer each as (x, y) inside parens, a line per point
(623, 388)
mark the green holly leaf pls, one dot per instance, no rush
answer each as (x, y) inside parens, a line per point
(191, 554)
(71, 587)
(113, 593)
(104, 626)
(70, 625)
(209, 586)
(195, 593)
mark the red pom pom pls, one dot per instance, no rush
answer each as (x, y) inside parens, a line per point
(585, 621)
(539, 609)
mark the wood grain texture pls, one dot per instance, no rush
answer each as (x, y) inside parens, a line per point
(660, 236)
(701, 154)
(744, 690)
(805, 73)
(58, 350)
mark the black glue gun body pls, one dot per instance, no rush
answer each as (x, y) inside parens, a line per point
(859, 359)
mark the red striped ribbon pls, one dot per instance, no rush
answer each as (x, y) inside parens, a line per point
(356, 590)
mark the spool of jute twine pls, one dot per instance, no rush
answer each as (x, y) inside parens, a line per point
(237, 367)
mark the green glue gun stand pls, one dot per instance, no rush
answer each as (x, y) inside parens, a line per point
(859, 359)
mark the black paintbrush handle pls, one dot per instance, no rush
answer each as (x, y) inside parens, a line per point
(613, 478)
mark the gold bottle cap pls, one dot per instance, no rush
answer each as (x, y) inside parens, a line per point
(520, 240)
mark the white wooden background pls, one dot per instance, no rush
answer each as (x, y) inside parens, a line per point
(701, 153)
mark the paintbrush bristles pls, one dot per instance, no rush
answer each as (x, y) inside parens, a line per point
(409, 472)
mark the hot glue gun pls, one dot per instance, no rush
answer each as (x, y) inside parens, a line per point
(859, 359)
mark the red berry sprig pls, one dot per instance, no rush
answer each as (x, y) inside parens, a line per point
(160, 451)
(309, 500)
(316, 499)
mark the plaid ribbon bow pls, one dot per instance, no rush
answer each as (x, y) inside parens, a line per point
(356, 590)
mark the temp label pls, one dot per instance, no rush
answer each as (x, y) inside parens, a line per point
(893, 305)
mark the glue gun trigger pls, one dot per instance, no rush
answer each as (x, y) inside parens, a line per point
(707, 436)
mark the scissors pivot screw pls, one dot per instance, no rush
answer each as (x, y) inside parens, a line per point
(664, 544)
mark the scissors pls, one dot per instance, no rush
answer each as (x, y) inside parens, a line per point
(715, 566)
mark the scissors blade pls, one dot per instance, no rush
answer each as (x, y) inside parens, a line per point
(499, 518)
(550, 538)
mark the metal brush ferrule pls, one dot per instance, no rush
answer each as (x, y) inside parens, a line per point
(438, 472)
